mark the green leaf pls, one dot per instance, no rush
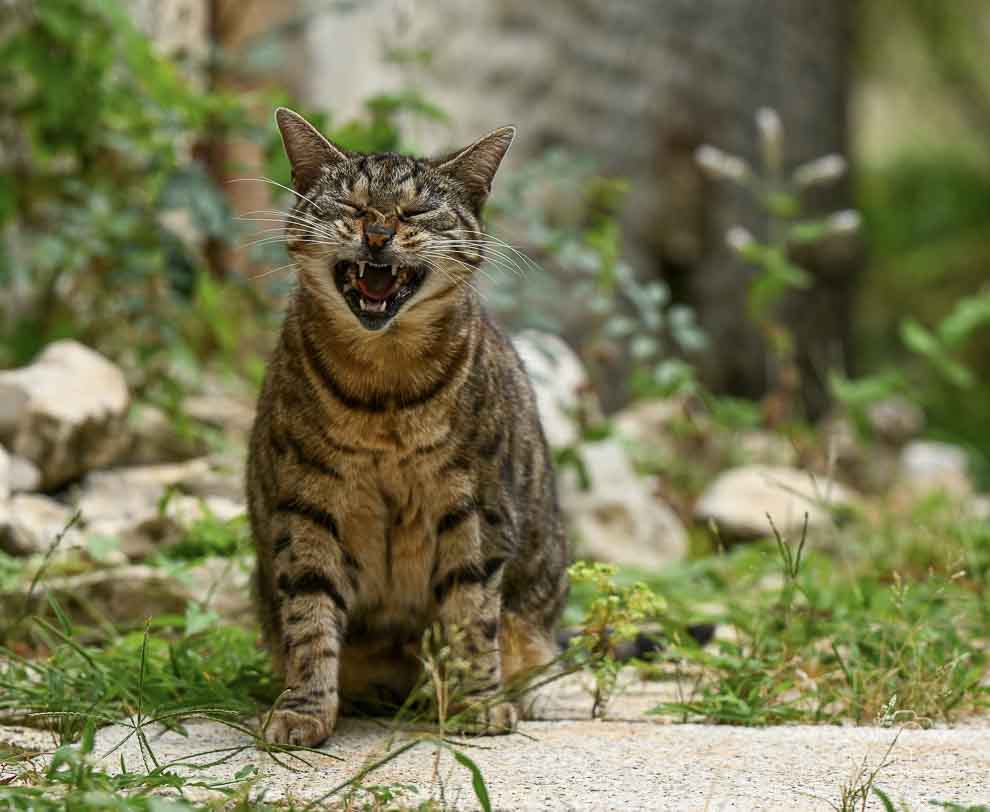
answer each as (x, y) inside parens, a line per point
(969, 314)
(888, 805)
(861, 392)
(919, 339)
(925, 343)
(807, 232)
(199, 619)
(477, 780)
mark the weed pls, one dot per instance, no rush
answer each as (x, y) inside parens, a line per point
(612, 616)
(813, 637)
(855, 793)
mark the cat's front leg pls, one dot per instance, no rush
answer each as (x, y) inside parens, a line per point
(466, 589)
(313, 600)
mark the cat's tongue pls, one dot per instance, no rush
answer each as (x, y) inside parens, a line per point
(377, 282)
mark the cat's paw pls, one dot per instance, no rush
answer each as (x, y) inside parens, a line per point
(299, 729)
(486, 719)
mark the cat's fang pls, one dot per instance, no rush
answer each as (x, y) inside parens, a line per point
(361, 270)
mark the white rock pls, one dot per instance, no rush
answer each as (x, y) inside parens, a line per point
(29, 524)
(648, 420)
(896, 419)
(563, 390)
(132, 494)
(65, 412)
(25, 476)
(618, 519)
(739, 500)
(765, 448)
(130, 504)
(4, 474)
(232, 414)
(869, 467)
(156, 440)
(927, 466)
(128, 594)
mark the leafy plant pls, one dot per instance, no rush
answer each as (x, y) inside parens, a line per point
(564, 213)
(612, 616)
(101, 131)
(776, 272)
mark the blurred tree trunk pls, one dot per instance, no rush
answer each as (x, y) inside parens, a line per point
(235, 28)
(640, 84)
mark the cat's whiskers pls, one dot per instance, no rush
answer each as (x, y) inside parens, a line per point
(289, 221)
(454, 280)
(496, 261)
(271, 182)
(470, 268)
(276, 239)
(487, 238)
(491, 252)
(270, 271)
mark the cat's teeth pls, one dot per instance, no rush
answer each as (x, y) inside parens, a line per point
(361, 270)
(374, 307)
(395, 270)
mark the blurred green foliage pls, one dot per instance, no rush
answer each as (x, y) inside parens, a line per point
(923, 320)
(100, 134)
(106, 200)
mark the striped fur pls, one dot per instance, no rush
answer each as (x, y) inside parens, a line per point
(398, 475)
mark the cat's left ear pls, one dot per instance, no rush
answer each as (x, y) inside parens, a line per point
(475, 166)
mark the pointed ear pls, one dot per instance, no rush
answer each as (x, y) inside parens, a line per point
(307, 150)
(475, 166)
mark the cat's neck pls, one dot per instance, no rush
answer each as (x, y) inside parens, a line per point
(414, 345)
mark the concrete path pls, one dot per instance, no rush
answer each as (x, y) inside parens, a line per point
(619, 764)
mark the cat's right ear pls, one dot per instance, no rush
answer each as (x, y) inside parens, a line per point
(308, 151)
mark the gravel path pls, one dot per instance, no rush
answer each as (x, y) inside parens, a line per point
(608, 765)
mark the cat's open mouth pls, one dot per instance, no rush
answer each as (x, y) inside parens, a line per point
(376, 292)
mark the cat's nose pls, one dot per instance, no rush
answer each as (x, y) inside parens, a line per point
(377, 235)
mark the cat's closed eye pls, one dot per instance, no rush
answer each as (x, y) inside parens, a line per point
(415, 210)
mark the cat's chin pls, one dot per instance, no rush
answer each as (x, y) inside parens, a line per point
(376, 293)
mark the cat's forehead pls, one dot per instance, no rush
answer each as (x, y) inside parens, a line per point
(376, 177)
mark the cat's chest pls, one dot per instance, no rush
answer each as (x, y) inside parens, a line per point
(390, 528)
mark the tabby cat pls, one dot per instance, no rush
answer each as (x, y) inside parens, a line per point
(398, 477)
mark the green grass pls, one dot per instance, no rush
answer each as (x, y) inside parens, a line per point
(880, 621)
(883, 619)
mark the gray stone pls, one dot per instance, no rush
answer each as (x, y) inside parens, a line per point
(29, 524)
(895, 420)
(131, 494)
(563, 391)
(765, 448)
(127, 595)
(161, 528)
(231, 413)
(927, 466)
(155, 439)
(739, 499)
(648, 421)
(618, 518)
(25, 476)
(870, 467)
(65, 412)
(146, 508)
(4, 474)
